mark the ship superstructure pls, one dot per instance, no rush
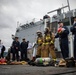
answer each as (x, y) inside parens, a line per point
(28, 31)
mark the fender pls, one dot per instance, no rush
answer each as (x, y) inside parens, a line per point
(71, 39)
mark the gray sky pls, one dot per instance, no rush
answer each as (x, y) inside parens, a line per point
(12, 11)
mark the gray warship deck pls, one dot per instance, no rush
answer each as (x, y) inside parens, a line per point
(34, 70)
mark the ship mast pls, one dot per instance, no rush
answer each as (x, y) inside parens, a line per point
(68, 5)
(59, 11)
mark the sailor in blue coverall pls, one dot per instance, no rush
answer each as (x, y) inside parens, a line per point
(63, 39)
(73, 30)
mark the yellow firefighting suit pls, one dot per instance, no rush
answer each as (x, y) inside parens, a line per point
(51, 47)
(39, 43)
(48, 46)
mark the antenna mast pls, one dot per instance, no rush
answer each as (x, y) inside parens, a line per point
(69, 10)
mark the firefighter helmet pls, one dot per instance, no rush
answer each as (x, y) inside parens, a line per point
(38, 31)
